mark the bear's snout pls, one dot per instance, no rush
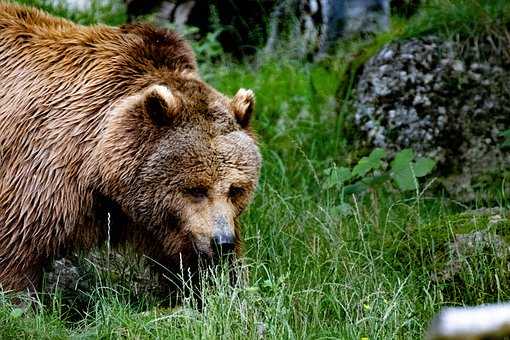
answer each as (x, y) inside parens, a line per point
(223, 238)
(223, 243)
(219, 241)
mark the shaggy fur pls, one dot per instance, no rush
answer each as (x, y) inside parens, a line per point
(98, 120)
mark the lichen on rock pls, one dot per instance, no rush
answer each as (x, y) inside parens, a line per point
(446, 99)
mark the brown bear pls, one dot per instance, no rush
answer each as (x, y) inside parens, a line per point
(102, 124)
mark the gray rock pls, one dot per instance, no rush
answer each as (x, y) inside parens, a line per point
(64, 275)
(468, 244)
(78, 275)
(465, 246)
(446, 100)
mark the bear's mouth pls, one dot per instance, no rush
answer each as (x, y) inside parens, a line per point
(208, 257)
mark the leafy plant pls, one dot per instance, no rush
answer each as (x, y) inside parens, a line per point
(207, 48)
(506, 135)
(373, 171)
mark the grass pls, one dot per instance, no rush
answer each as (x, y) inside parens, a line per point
(312, 271)
(110, 12)
(468, 18)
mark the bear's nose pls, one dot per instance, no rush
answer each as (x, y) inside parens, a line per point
(223, 243)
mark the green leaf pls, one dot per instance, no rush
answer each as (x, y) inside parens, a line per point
(423, 166)
(365, 164)
(355, 188)
(343, 175)
(401, 170)
(405, 179)
(362, 167)
(404, 169)
(374, 181)
(505, 133)
(337, 177)
(402, 159)
(376, 155)
(17, 313)
(506, 142)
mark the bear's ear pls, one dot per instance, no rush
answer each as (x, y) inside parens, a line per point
(160, 104)
(243, 105)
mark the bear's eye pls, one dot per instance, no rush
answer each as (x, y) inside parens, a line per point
(197, 192)
(235, 191)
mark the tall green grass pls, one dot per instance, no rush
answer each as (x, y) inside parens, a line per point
(467, 18)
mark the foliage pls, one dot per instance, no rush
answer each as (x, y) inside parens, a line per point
(506, 135)
(207, 49)
(371, 172)
(111, 12)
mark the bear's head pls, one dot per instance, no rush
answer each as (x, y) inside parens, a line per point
(179, 160)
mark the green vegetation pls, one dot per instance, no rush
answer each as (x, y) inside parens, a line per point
(467, 18)
(370, 172)
(110, 12)
(314, 268)
(506, 135)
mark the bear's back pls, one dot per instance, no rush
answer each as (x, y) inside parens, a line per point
(45, 43)
(54, 65)
(18, 15)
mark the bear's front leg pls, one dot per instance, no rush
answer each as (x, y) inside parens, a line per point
(19, 276)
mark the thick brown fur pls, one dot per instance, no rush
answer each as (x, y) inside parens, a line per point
(102, 120)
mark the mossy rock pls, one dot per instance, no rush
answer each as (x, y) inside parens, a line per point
(458, 252)
(446, 99)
